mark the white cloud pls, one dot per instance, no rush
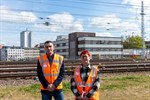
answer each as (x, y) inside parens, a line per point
(136, 8)
(77, 26)
(107, 34)
(129, 26)
(62, 22)
(28, 17)
(136, 2)
(106, 22)
(8, 15)
(125, 27)
(112, 22)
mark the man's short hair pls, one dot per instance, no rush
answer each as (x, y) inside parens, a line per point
(47, 42)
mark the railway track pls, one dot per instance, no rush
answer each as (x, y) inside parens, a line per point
(28, 69)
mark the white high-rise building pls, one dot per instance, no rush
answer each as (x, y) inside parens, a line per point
(26, 39)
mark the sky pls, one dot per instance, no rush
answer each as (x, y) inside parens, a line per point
(112, 18)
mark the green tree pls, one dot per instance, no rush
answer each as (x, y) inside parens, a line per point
(133, 42)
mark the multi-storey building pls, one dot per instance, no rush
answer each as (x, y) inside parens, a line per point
(9, 53)
(61, 46)
(26, 39)
(73, 43)
(100, 47)
(31, 53)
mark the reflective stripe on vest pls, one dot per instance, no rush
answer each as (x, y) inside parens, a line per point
(50, 74)
(51, 71)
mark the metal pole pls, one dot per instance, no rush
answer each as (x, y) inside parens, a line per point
(142, 30)
(132, 45)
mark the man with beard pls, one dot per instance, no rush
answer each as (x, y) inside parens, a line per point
(50, 71)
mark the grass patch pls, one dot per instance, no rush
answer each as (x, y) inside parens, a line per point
(112, 86)
(131, 78)
(66, 87)
(116, 87)
(34, 88)
(121, 82)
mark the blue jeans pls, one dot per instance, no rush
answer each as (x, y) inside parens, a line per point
(48, 95)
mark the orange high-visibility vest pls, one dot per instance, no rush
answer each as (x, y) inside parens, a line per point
(51, 72)
(87, 86)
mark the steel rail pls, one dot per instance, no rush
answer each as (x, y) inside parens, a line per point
(29, 70)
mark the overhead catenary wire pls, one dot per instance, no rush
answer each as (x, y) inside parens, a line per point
(89, 16)
(47, 3)
(88, 2)
(104, 27)
(75, 14)
(49, 12)
(72, 6)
